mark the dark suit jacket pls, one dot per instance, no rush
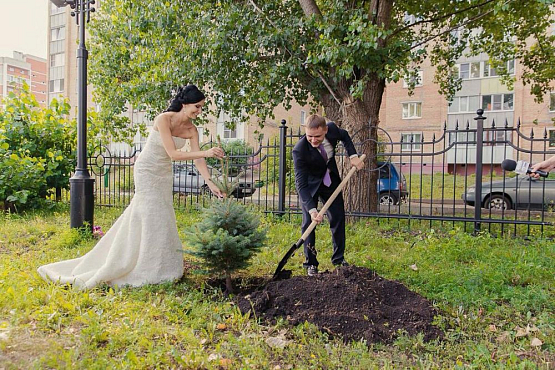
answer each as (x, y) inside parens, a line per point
(310, 166)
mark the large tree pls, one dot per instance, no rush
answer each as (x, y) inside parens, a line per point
(255, 54)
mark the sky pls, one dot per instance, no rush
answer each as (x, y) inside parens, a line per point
(23, 27)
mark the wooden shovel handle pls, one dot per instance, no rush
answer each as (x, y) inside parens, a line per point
(331, 199)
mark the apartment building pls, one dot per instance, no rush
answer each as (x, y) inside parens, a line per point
(23, 68)
(419, 118)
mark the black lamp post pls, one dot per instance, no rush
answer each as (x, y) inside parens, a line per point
(81, 184)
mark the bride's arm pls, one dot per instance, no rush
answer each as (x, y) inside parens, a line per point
(201, 166)
(162, 122)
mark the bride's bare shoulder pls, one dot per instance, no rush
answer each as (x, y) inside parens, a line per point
(161, 119)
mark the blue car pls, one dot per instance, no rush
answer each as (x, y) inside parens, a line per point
(392, 185)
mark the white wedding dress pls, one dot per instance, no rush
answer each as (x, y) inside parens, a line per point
(143, 246)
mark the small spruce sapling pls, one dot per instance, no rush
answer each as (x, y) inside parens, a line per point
(228, 235)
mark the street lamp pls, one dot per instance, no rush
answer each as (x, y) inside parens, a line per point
(81, 184)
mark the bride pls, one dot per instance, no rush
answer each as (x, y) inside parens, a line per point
(143, 246)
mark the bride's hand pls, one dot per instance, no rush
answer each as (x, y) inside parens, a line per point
(214, 189)
(215, 152)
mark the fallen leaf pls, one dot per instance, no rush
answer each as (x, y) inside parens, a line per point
(221, 326)
(276, 342)
(536, 342)
(213, 357)
(414, 267)
(521, 332)
(503, 337)
(225, 362)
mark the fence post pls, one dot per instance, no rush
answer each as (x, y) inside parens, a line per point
(282, 167)
(478, 170)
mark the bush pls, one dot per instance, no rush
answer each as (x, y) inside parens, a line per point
(21, 178)
(37, 147)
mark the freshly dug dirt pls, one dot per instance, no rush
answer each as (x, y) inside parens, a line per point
(350, 302)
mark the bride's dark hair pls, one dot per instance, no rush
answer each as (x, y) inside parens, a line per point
(189, 94)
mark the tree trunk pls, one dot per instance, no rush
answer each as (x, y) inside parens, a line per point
(361, 119)
(228, 284)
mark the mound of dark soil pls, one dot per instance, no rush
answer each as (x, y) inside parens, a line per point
(350, 302)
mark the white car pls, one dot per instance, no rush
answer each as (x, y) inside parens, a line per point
(187, 180)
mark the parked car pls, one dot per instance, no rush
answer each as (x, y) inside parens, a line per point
(521, 192)
(392, 185)
(187, 179)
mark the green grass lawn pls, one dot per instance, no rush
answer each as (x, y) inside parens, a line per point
(495, 295)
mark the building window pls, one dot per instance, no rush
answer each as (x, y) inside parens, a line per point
(552, 102)
(464, 104)
(474, 70)
(417, 79)
(55, 10)
(303, 117)
(57, 34)
(498, 102)
(56, 85)
(230, 133)
(511, 67)
(464, 71)
(412, 110)
(463, 137)
(552, 138)
(411, 142)
(497, 137)
(57, 60)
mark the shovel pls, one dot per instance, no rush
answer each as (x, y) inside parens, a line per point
(311, 227)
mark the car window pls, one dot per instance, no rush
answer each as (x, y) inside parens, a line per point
(384, 171)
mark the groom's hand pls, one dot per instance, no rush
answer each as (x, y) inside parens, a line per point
(357, 162)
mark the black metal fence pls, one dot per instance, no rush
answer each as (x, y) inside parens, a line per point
(453, 179)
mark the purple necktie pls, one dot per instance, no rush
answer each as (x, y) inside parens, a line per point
(327, 178)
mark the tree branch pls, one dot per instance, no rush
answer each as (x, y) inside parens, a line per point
(439, 18)
(311, 6)
(451, 29)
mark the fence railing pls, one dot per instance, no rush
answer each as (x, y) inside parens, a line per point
(453, 178)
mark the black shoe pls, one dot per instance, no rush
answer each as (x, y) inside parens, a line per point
(312, 270)
(344, 263)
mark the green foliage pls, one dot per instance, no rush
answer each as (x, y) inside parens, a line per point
(36, 148)
(257, 55)
(226, 238)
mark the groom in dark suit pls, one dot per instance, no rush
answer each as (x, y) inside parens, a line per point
(316, 177)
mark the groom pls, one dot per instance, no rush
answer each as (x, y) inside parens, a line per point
(316, 177)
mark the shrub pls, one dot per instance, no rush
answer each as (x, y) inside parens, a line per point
(21, 177)
(37, 145)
